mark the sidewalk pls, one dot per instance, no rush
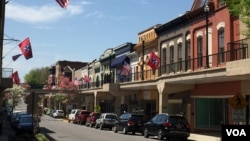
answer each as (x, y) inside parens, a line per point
(203, 137)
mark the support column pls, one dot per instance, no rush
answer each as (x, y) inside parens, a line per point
(95, 98)
(163, 98)
(117, 105)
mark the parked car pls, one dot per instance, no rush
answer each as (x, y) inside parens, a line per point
(52, 111)
(72, 114)
(169, 126)
(92, 119)
(14, 121)
(58, 113)
(106, 120)
(129, 122)
(28, 124)
(81, 117)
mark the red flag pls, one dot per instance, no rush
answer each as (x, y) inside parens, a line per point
(153, 61)
(15, 57)
(63, 3)
(126, 68)
(25, 47)
(15, 77)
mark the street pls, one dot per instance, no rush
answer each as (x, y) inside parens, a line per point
(57, 130)
(63, 131)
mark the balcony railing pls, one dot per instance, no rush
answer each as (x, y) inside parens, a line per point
(239, 52)
(195, 64)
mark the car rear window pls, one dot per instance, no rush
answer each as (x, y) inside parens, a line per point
(136, 117)
(85, 113)
(111, 117)
(96, 115)
(178, 119)
(60, 111)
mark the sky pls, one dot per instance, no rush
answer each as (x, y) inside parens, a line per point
(82, 31)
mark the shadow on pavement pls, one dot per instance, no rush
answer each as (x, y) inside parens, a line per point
(46, 132)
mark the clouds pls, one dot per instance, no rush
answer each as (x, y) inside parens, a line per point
(40, 14)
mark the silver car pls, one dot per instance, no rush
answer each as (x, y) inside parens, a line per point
(106, 120)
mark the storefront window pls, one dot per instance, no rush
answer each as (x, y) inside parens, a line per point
(210, 113)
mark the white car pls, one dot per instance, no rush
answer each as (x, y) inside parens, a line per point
(58, 113)
(73, 114)
(106, 120)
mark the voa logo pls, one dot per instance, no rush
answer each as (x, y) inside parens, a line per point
(236, 132)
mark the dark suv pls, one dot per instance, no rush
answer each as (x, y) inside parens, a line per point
(169, 126)
(129, 122)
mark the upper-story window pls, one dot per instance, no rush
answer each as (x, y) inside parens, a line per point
(179, 67)
(188, 55)
(221, 40)
(164, 60)
(199, 51)
(171, 58)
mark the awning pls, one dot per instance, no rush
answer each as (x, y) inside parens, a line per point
(119, 61)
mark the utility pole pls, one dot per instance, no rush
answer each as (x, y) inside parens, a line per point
(2, 18)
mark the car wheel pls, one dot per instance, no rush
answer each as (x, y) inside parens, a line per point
(146, 133)
(159, 134)
(125, 130)
(115, 129)
(133, 133)
(101, 126)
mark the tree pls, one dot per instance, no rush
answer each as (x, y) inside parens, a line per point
(37, 76)
(240, 8)
(60, 98)
(14, 95)
(97, 108)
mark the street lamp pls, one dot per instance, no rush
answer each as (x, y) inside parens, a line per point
(142, 68)
(206, 10)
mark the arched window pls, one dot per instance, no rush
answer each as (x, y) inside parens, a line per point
(188, 55)
(164, 59)
(221, 40)
(179, 67)
(171, 59)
